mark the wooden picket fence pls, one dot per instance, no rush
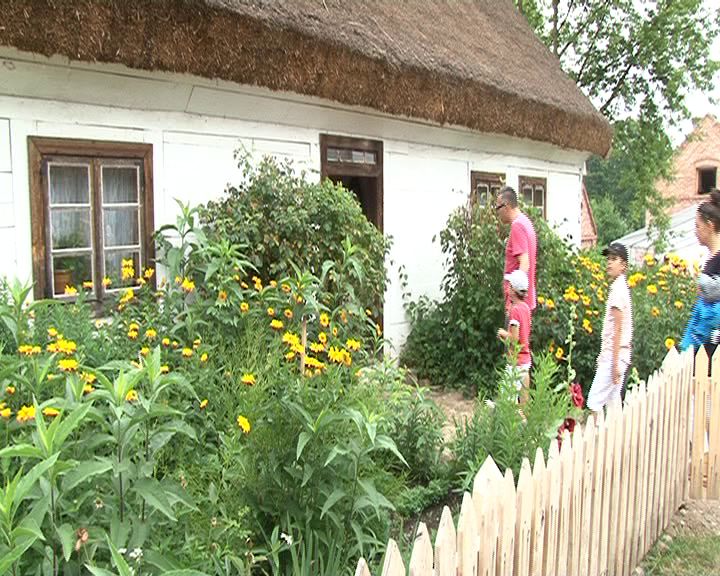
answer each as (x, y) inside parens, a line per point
(599, 503)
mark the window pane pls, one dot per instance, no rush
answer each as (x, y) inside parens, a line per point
(482, 193)
(527, 193)
(71, 271)
(370, 158)
(119, 184)
(71, 228)
(114, 267)
(538, 196)
(121, 226)
(69, 184)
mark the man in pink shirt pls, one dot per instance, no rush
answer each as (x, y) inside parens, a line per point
(521, 247)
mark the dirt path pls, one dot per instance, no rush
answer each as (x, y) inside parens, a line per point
(454, 405)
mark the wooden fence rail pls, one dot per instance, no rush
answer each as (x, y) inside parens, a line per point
(597, 505)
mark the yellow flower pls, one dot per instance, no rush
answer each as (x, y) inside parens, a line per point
(541, 300)
(244, 307)
(679, 304)
(669, 343)
(243, 423)
(285, 288)
(204, 357)
(29, 350)
(164, 369)
(178, 280)
(324, 320)
(368, 311)
(291, 339)
(134, 326)
(299, 299)
(244, 285)
(50, 412)
(87, 389)
(550, 303)
(25, 414)
(87, 377)
(67, 347)
(52, 332)
(276, 324)
(353, 345)
(288, 313)
(10, 390)
(148, 273)
(322, 337)
(68, 365)
(273, 283)
(175, 344)
(144, 351)
(335, 330)
(587, 326)
(132, 396)
(203, 404)
(290, 355)
(150, 334)
(559, 353)
(132, 334)
(196, 343)
(187, 352)
(127, 270)
(70, 290)
(187, 285)
(106, 282)
(271, 311)
(5, 413)
(222, 295)
(652, 289)
(649, 260)
(248, 379)
(87, 284)
(316, 347)
(166, 341)
(655, 311)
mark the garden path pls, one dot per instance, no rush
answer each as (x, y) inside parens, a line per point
(454, 405)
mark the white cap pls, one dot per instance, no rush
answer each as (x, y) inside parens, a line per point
(518, 280)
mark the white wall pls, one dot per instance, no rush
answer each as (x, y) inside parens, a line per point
(195, 125)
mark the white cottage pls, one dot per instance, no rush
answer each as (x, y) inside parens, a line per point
(110, 109)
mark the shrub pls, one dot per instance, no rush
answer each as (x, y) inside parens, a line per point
(288, 220)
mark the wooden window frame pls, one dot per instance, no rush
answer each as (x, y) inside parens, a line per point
(533, 181)
(491, 178)
(329, 169)
(94, 150)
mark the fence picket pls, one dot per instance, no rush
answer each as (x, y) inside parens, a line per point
(623, 512)
(575, 543)
(673, 429)
(362, 568)
(597, 499)
(640, 488)
(587, 496)
(713, 456)
(523, 527)
(445, 543)
(537, 539)
(688, 432)
(487, 504)
(552, 513)
(508, 512)
(421, 557)
(393, 564)
(653, 391)
(699, 408)
(467, 537)
(631, 479)
(614, 512)
(606, 522)
(566, 486)
(662, 463)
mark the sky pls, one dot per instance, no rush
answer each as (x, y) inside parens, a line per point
(698, 103)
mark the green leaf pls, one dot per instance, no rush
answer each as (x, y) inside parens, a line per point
(69, 424)
(336, 495)
(28, 480)
(21, 450)
(303, 439)
(85, 471)
(185, 572)
(153, 493)
(15, 554)
(119, 561)
(66, 534)
(388, 443)
(28, 527)
(99, 571)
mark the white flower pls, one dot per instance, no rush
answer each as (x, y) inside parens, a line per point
(135, 554)
(122, 550)
(286, 538)
(489, 403)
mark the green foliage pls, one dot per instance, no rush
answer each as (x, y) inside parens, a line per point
(500, 430)
(611, 222)
(288, 220)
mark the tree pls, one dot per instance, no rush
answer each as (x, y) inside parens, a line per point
(637, 62)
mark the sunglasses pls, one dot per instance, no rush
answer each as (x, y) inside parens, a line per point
(498, 206)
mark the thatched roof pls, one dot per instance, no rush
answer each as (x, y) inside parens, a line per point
(474, 63)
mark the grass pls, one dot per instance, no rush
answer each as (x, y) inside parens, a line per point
(684, 556)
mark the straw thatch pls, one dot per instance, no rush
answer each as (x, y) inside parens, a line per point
(474, 63)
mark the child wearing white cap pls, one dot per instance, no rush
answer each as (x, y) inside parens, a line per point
(518, 330)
